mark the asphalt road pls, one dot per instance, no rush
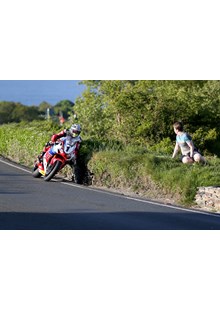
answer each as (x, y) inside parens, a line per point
(27, 203)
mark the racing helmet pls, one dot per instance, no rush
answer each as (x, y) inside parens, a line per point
(75, 130)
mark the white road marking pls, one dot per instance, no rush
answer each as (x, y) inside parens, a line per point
(9, 164)
(122, 196)
(144, 201)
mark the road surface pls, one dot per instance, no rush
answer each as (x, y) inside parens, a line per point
(27, 203)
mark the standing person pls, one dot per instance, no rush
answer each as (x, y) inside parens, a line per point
(184, 143)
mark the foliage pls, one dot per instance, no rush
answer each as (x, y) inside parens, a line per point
(43, 106)
(24, 141)
(91, 115)
(64, 107)
(142, 112)
(165, 146)
(137, 112)
(16, 112)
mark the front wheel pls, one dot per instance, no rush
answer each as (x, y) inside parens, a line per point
(36, 173)
(54, 169)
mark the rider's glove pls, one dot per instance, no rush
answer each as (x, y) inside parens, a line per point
(49, 143)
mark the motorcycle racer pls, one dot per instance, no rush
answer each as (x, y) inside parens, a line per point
(74, 132)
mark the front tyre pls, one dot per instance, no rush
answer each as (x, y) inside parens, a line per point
(53, 171)
(36, 173)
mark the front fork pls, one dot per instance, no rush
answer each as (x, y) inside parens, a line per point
(47, 157)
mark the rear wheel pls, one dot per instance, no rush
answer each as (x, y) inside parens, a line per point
(77, 175)
(50, 173)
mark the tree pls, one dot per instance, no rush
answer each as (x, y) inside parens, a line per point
(92, 115)
(6, 109)
(65, 107)
(16, 112)
(42, 108)
(24, 113)
(143, 112)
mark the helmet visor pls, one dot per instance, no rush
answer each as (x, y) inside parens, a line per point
(75, 133)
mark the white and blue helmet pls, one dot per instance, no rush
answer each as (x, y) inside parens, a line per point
(75, 130)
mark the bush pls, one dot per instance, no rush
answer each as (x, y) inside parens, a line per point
(24, 141)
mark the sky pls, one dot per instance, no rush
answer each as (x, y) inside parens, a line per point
(33, 92)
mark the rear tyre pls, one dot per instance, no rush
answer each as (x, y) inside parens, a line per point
(77, 175)
(51, 173)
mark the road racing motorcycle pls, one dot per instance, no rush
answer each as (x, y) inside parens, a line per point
(63, 153)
